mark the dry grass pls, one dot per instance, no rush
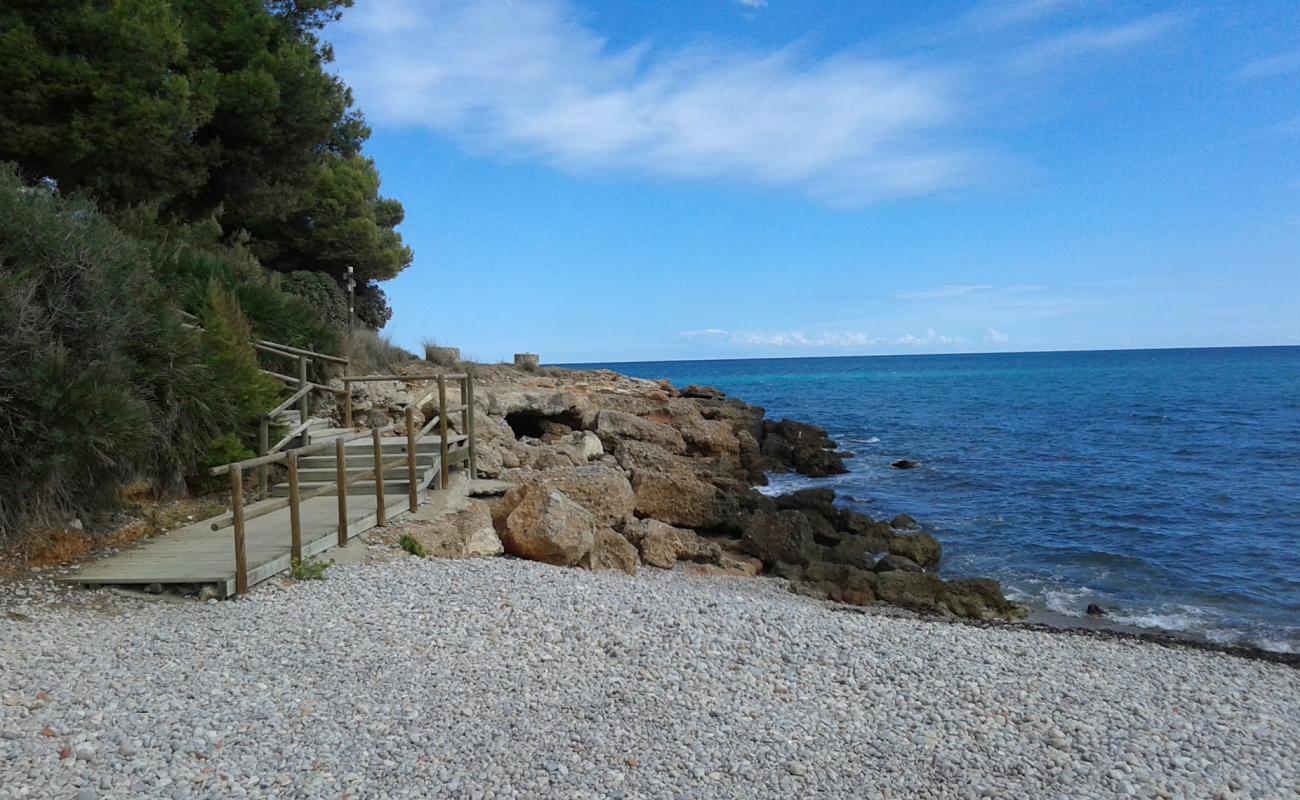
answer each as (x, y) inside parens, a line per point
(50, 547)
(372, 353)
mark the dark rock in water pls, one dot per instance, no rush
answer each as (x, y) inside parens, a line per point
(904, 522)
(970, 599)
(904, 463)
(922, 548)
(821, 501)
(892, 562)
(878, 534)
(703, 392)
(805, 448)
(1095, 610)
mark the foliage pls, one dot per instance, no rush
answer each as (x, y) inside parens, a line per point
(99, 380)
(233, 362)
(410, 545)
(225, 449)
(221, 111)
(309, 570)
(320, 292)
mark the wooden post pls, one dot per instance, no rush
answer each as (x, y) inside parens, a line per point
(444, 474)
(237, 511)
(295, 513)
(347, 403)
(412, 486)
(343, 491)
(380, 516)
(303, 404)
(469, 428)
(263, 444)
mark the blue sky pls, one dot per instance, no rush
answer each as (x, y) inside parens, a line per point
(646, 179)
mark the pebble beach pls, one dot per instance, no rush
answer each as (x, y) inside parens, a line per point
(505, 678)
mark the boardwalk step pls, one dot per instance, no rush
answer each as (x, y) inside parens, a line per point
(391, 488)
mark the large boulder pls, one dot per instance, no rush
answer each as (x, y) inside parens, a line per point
(681, 498)
(663, 545)
(611, 551)
(925, 591)
(616, 426)
(782, 537)
(878, 535)
(602, 490)
(922, 548)
(839, 582)
(467, 533)
(633, 455)
(549, 527)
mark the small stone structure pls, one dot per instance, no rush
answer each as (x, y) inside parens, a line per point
(527, 361)
(442, 356)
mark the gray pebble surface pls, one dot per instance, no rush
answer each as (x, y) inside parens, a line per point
(501, 678)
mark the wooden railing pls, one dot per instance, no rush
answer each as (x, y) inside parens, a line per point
(239, 516)
(301, 397)
(465, 408)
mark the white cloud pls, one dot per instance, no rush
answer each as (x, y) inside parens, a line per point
(1088, 41)
(528, 78)
(824, 340)
(1271, 67)
(752, 3)
(1006, 13)
(946, 292)
(996, 337)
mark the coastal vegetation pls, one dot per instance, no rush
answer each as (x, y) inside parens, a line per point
(176, 179)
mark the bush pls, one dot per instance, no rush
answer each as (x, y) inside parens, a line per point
(319, 291)
(410, 545)
(101, 381)
(309, 570)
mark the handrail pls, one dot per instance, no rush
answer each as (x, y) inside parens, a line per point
(293, 398)
(290, 436)
(320, 387)
(433, 376)
(274, 455)
(275, 458)
(286, 350)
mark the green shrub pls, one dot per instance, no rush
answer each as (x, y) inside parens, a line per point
(309, 570)
(410, 545)
(100, 383)
(320, 292)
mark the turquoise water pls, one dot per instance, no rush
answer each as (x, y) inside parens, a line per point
(1162, 484)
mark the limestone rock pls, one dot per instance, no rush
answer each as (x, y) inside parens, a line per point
(549, 527)
(892, 562)
(679, 498)
(663, 545)
(784, 536)
(904, 522)
(604, 491)
(467, 533)
(615, 426)
(805, 448)
(611, 551)
(922, 548)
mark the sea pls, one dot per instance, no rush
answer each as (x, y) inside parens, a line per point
(1161, 485)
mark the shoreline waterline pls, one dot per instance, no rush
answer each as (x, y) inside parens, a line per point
(1145, 482)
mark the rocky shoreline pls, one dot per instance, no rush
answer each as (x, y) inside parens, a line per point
(603, 471)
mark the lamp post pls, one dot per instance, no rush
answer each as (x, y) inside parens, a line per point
(352, 286)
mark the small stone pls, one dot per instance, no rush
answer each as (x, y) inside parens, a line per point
(796, 768)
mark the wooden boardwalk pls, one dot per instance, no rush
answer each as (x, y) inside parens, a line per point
(196, 554)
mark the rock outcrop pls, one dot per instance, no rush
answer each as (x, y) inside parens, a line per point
(610, 472)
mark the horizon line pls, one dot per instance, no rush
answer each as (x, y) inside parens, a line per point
(929, 355)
